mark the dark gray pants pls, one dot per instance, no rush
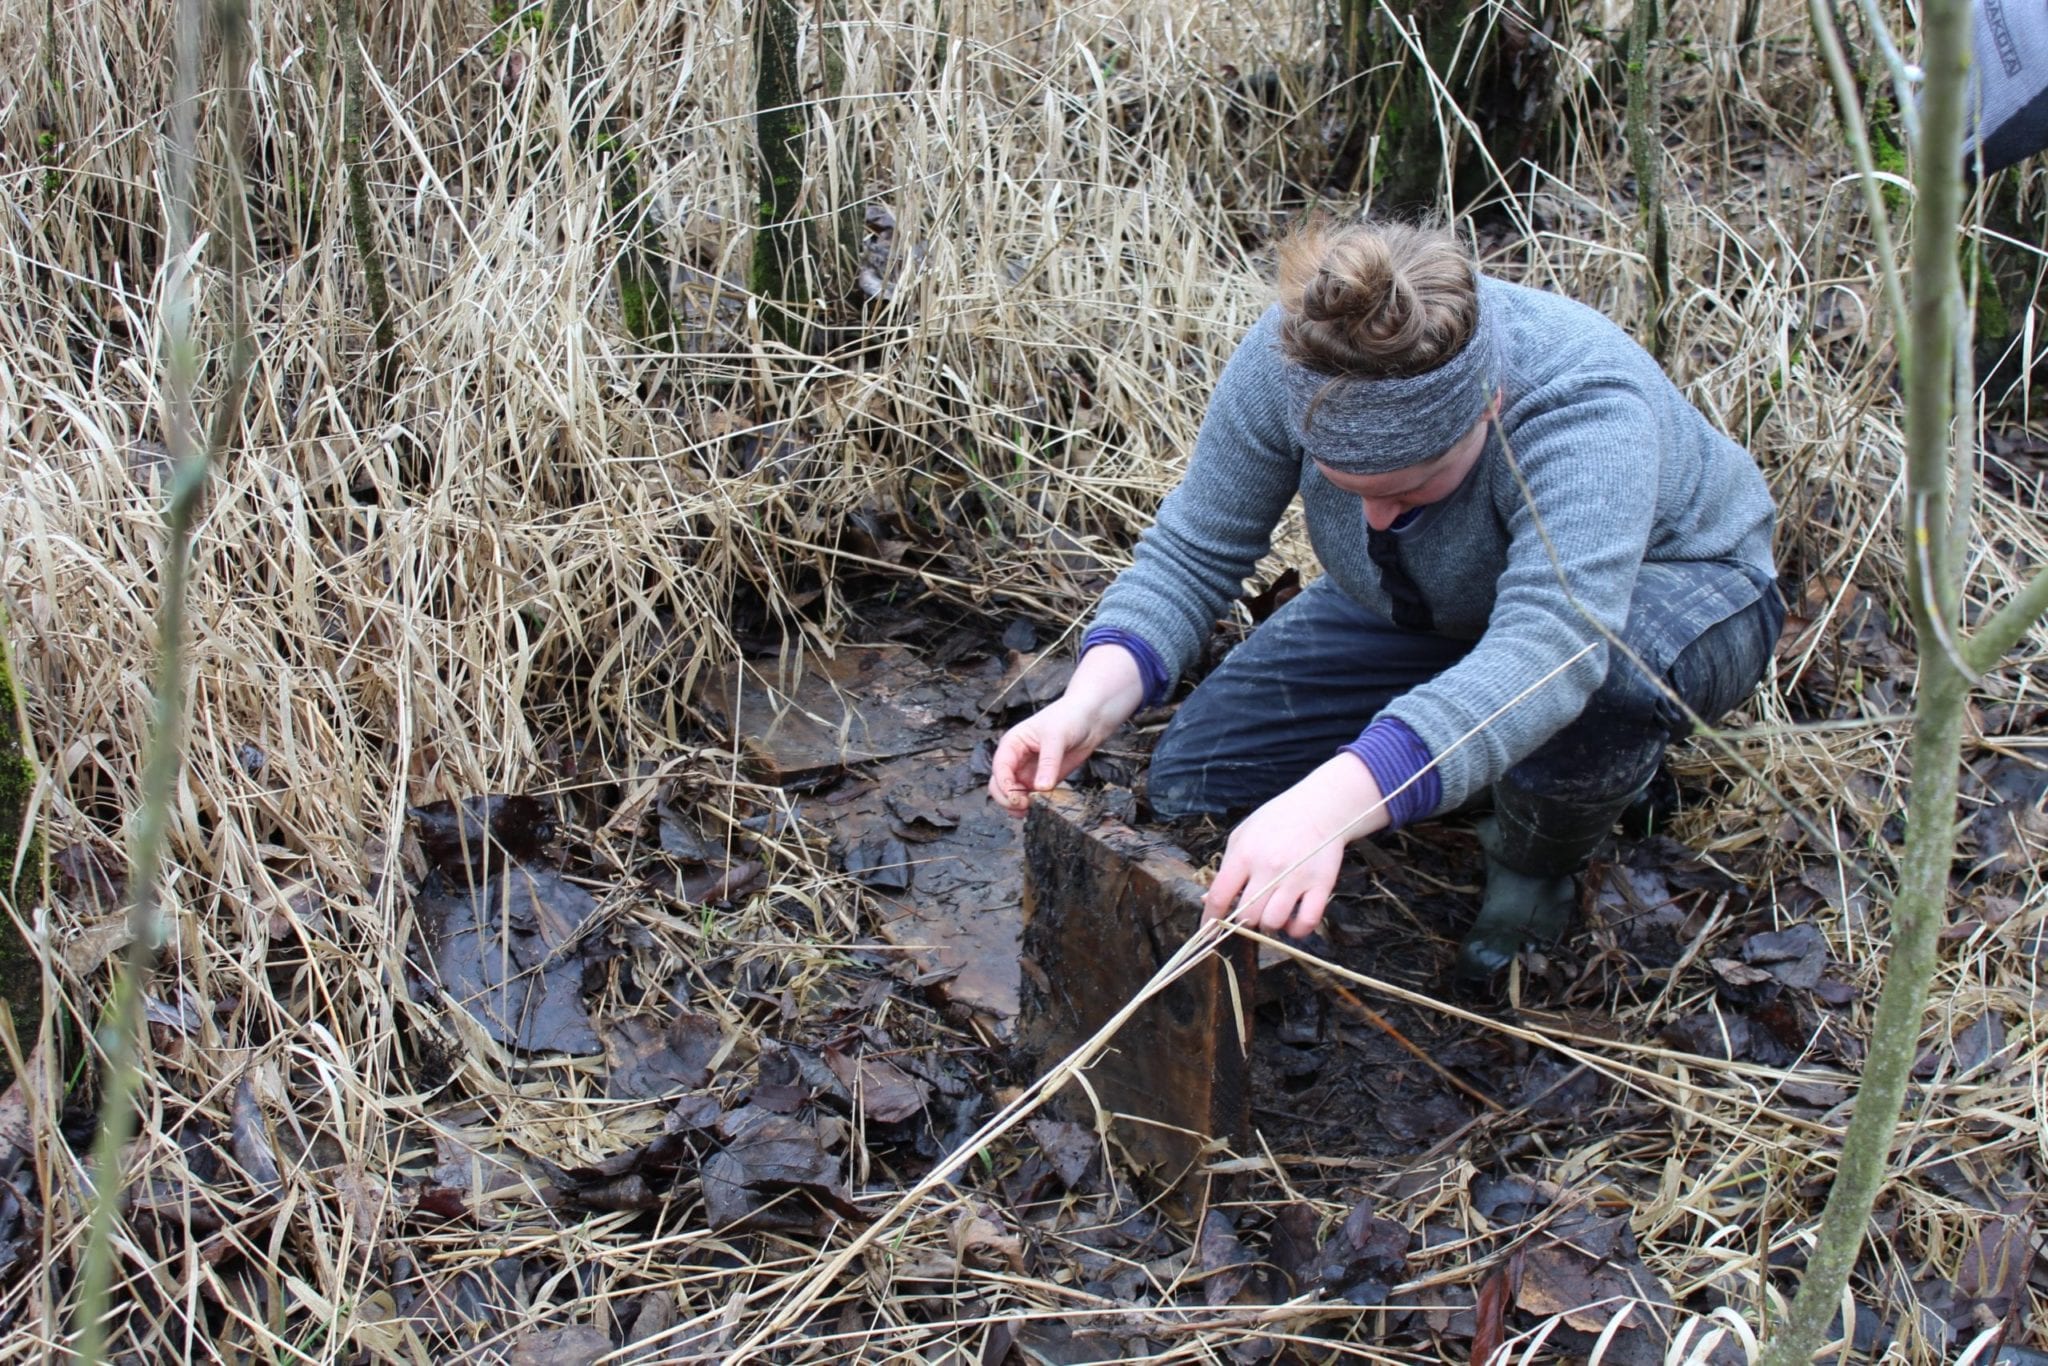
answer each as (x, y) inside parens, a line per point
(1309, 679)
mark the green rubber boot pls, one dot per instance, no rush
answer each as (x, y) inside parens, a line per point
(1534, 844)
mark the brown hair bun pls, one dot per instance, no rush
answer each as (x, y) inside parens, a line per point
(1375, 299)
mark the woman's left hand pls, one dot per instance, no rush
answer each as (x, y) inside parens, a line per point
(1336, 798)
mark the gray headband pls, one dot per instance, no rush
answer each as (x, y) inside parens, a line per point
(1372, 426)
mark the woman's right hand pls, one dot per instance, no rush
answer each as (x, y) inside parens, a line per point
(1039, 751)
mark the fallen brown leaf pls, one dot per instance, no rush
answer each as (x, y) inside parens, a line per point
(1365, 1257)
(882, 1089)
(17, 1132)
(1589, 1293)
(980, 1238)
(1997, 1260)
(1225, 1264)
(1489, 1315)
(577, 1346)
(250, 1139)
(652, 1059)
(1071, 1149)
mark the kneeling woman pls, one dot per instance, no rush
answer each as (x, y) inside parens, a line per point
(1504, 491)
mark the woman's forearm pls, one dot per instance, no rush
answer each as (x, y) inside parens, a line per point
(1108, 686)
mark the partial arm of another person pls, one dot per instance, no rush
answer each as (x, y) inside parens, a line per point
(2008, 84)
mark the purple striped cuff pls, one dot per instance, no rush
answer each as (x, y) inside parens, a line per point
(1393, 754)
(1151, 668)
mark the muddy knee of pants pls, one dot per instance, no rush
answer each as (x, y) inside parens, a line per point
(1224, 756)
(1186, 778)
(1173, 795)
(1613, 747)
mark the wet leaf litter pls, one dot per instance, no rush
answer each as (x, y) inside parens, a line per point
(1453, 1181)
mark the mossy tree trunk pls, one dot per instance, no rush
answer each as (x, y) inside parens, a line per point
(376, 287)
(1420, 77)
(21, 968)
(849, 215)
(779, 273)
(1646, 159)
(50, 122)
(643, 280)
(596, 125)
(2005, 271)
(1425, 143)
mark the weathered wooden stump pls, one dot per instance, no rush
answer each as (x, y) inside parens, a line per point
(1104, 907)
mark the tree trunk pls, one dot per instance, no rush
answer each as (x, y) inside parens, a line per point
(1936, 548)
(1646, 158)
(779, 275)
(21, 969)
(843, 180)
(645, 304)
(1419, 154)
(643, 281)
(1427, 139)
(2007, 277)
(50, 124)
(364, 227)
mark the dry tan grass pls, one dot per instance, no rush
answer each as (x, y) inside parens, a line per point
(536, 545)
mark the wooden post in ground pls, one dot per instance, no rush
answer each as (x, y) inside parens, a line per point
(1104, 906)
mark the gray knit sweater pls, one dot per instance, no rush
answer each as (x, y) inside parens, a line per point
(1620, 469)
